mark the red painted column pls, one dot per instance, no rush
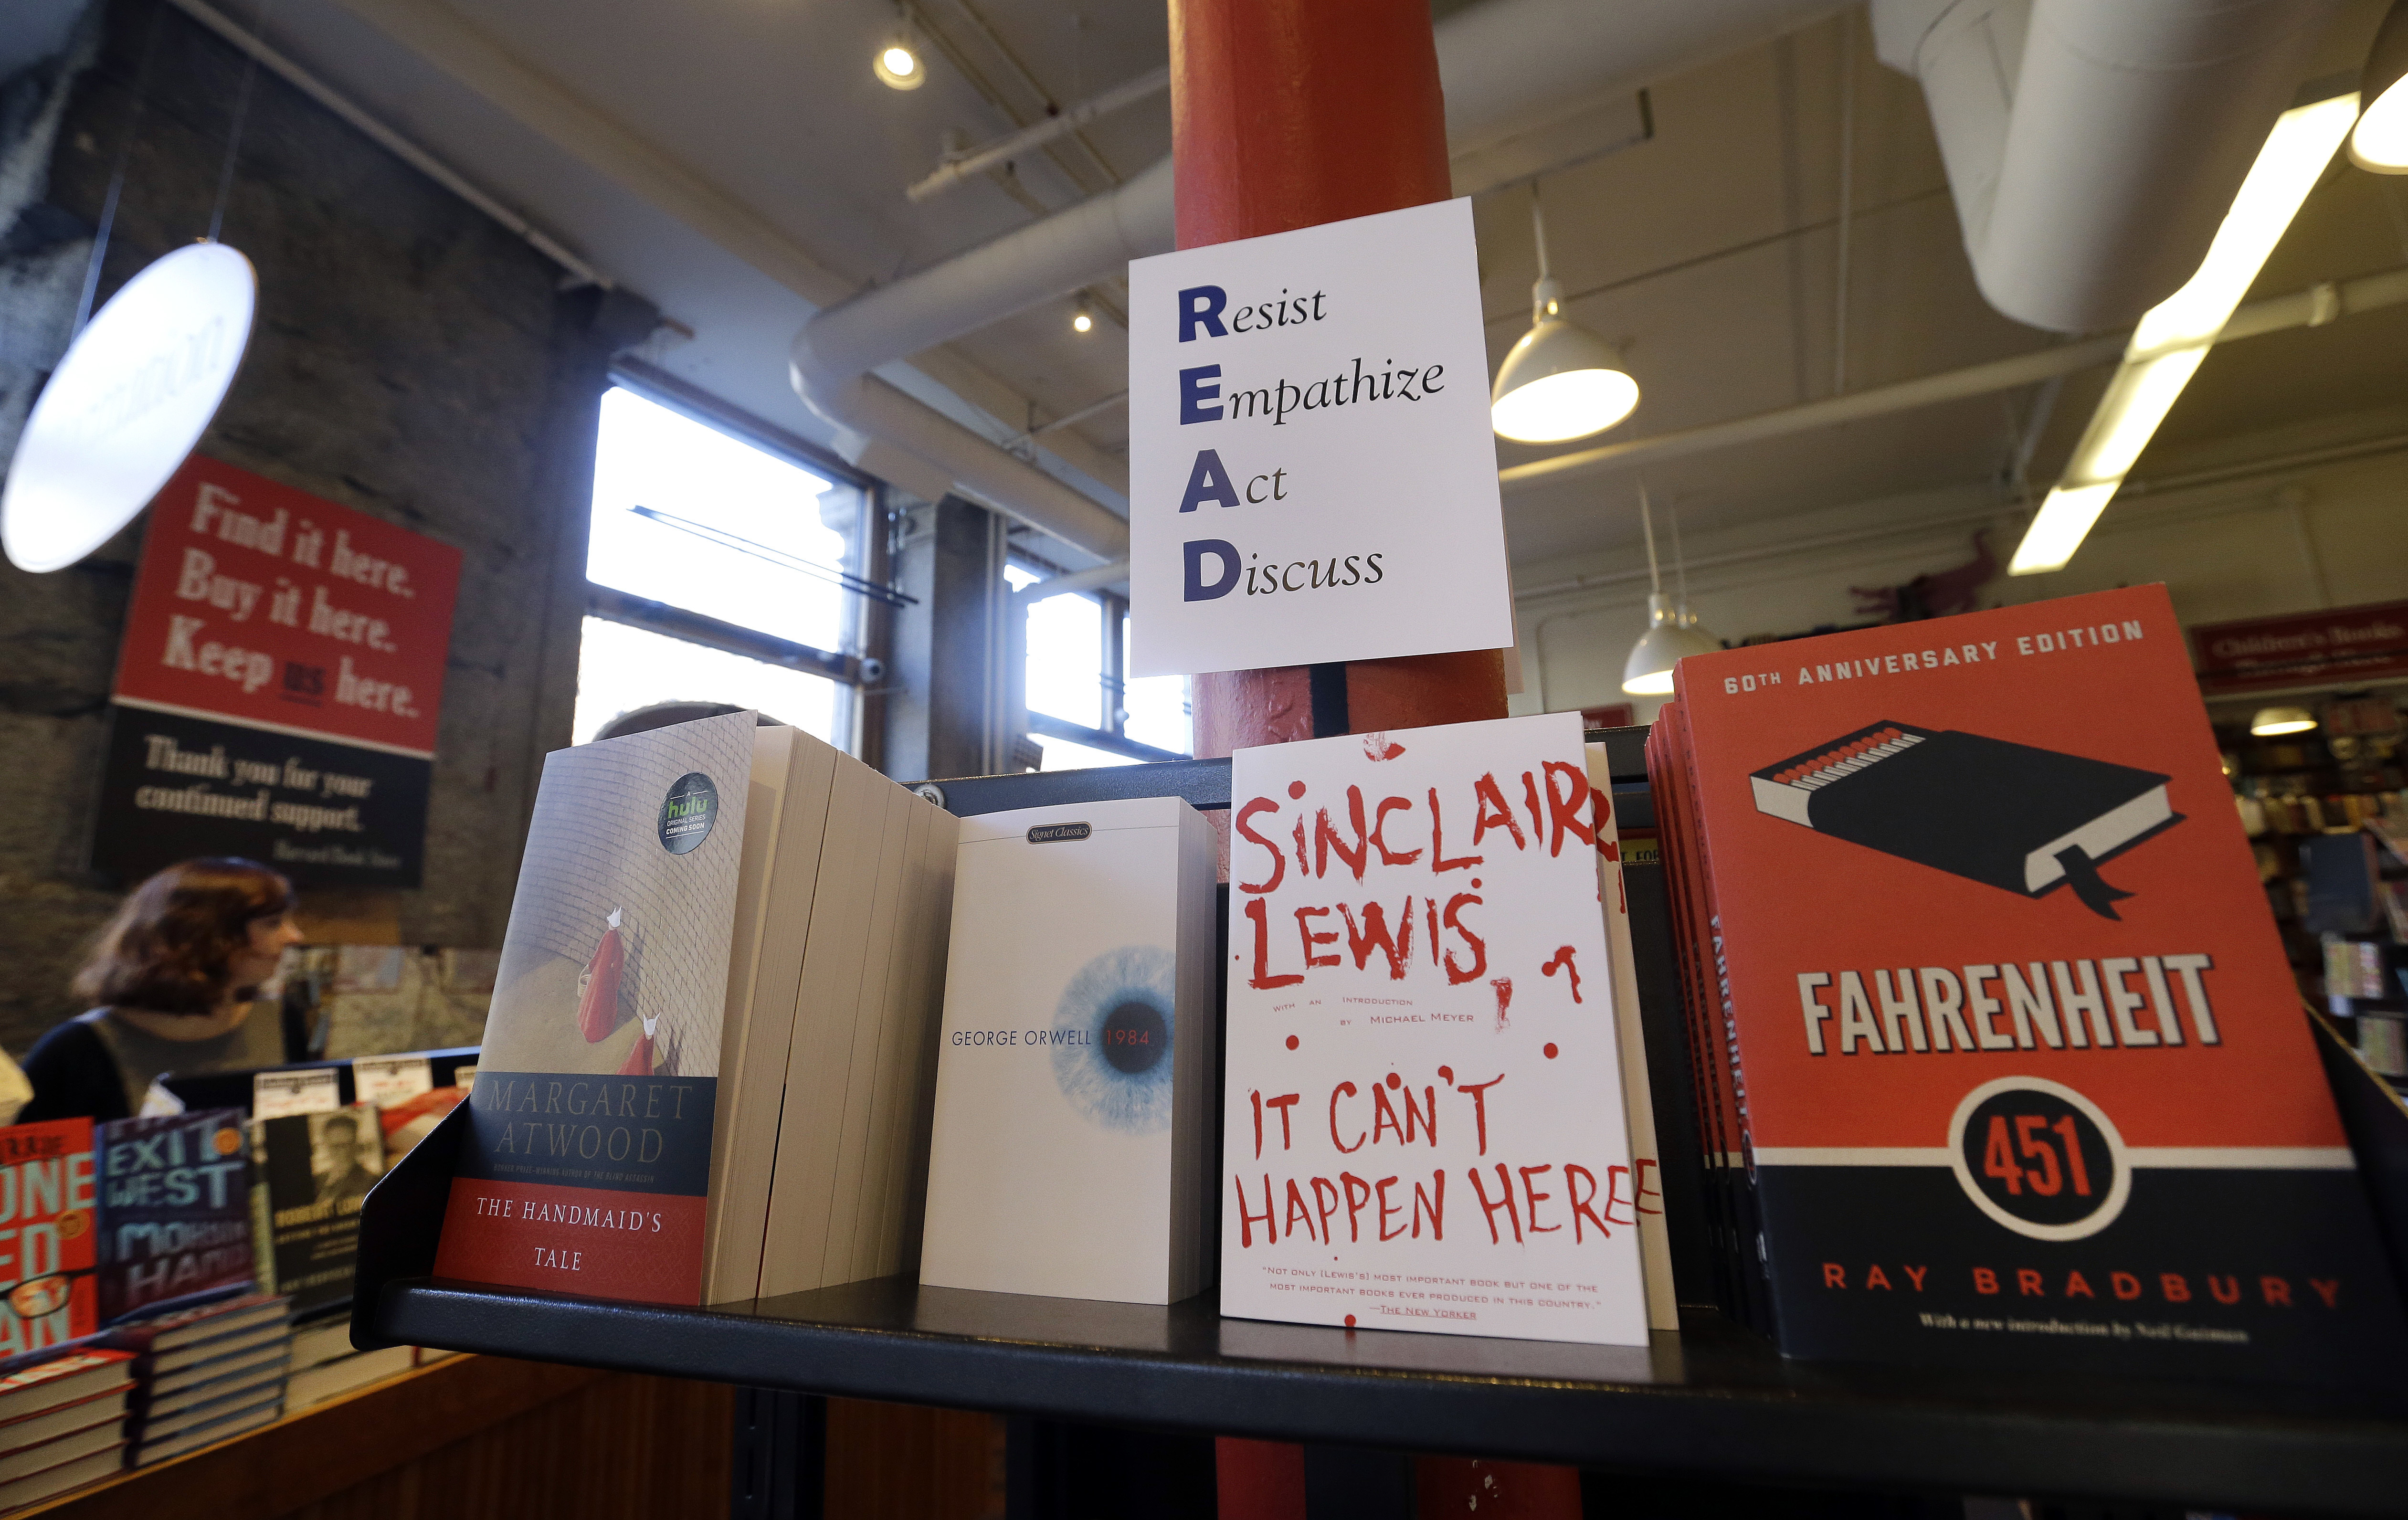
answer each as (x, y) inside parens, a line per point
(1286, 114)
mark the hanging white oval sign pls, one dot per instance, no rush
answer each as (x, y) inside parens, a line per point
(126, 405)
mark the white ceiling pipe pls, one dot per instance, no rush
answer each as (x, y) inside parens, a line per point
(1035, 263)
(953, 171)
(950, 454)
(2094, 146)
(1506, 65)
(2312, 308)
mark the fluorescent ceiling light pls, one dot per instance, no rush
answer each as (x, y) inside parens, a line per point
(2174, 335)
(2137, 400)
(2058, 529)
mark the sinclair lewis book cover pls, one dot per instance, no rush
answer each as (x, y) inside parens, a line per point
(1423, 1120)
(2025, 1073)
(588, 1165)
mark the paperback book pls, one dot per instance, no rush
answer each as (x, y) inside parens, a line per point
(720, 973)
(174, 1210)
(2010, 1036)
(48, 1239)
(1424, 1122)
(312, 1176)
(1072, 1118)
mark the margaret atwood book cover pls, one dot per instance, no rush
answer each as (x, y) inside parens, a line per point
(588, 1166)
(2026, 1076)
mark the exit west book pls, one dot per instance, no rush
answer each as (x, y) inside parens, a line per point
(2023, 1072)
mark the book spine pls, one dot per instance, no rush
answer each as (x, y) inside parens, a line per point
(1674, 845)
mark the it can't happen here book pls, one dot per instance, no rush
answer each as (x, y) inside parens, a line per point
(1423, 1123)
(587, 1168)
(2023, 1069)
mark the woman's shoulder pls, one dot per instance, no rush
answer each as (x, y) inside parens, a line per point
(69, 1035)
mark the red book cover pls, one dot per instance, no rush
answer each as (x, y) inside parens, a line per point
(46, 1235)
(2025, 1076)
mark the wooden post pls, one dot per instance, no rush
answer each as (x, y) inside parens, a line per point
(1286, 114)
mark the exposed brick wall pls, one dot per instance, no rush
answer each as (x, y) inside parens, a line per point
(411, 359)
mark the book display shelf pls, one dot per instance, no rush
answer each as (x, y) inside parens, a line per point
(1714, 1402)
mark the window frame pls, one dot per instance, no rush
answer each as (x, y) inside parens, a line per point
(869, 629)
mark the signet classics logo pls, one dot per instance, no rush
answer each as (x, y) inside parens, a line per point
(687, 812)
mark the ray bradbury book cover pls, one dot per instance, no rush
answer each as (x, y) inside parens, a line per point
(1422, 1123)
(2024, 1075)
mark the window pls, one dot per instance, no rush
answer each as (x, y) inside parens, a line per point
(699, 535)
(1081, 709)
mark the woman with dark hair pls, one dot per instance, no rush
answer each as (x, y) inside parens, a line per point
(173, 975)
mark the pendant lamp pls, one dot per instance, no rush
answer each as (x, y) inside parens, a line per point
(1673, 629)
(2270, 721)
(2380, 140)
(1560, 382)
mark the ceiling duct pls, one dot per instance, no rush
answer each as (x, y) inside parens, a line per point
(1510, 67)
(2094, 146)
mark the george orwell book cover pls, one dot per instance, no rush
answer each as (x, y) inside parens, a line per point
(1071, 1146)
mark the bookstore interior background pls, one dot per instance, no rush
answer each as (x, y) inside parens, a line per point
(595, 372)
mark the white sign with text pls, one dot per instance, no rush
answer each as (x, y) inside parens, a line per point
(1311, 471)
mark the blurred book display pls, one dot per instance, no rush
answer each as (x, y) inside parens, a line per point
(205, 1373)
(1976, 950)
(682, 1014)
(62, 1418)
(310, 1174)
(48, 1237)
(174, 1210)
(347, 1000)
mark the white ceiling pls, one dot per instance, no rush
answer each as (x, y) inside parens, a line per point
(736, 161)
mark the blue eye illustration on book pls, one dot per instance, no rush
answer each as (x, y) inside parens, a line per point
(2008, 815)
(1112, 1033)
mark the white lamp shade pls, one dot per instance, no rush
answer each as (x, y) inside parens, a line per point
(1561, 382)
(2379, 142)
(133, 395)
(1648, 672)
(2270, 721)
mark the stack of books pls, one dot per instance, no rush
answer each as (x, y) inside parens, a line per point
(323, 1366)
(1994, 1033)
(62, 1421)
(711, 1050)
(204, 1374)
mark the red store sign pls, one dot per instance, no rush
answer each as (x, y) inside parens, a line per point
(2344, 645)
(273, 608)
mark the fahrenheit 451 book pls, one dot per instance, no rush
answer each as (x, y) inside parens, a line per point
(1423, 1121)
(2023, 1073)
